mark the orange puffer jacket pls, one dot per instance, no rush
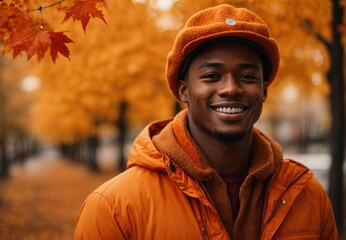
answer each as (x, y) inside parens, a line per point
(155, 199)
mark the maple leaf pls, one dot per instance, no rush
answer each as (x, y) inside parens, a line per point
(31, 39)
(15, 28)
(10, 17)
(39, 45)
(59, 39)
(83, 10)
(5, 13)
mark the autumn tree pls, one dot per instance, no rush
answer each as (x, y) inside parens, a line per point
(336, 76)
(23, 28)
(14, 141)
(109, 65)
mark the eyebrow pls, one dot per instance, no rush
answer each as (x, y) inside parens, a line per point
(210, 65)
(219, 65)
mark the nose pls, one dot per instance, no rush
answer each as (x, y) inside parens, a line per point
(229, 86)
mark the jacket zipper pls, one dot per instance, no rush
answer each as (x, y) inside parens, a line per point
(209, 199)
(203, 230)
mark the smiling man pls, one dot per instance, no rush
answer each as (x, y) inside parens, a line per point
(208, 173)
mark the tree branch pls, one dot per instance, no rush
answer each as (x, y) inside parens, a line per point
(305, 23)
(40, 8)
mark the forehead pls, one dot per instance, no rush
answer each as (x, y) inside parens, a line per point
(228, 50)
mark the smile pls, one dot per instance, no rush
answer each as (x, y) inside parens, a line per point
(229, 109)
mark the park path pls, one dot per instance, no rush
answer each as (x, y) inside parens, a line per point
(42, 197)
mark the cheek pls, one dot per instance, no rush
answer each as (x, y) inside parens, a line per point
(259, 102)
(197, 99)
(202, 90)
(259, 105)
(257, 98)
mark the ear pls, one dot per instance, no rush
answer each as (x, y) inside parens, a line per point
(265, 90)
(183, 92)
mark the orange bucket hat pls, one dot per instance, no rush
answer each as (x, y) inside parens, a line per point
(221, 22)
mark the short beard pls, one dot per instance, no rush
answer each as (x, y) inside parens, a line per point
(230, 137)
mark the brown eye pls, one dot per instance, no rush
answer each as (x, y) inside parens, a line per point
(211, 76)
(249, 77)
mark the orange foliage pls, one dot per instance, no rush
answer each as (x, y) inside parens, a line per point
(125, 60)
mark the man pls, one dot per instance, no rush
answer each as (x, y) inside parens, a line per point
(208, 173)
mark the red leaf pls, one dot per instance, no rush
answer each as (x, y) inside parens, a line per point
(40, 44)
(31, 39)
(6, 12)
(10, 17)
(59, 39)
(83, 10)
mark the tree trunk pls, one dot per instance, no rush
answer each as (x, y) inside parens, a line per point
(122, 126)
(21, 150)
(4, 161)
(4, 164)
(92, 147)
(337, 100)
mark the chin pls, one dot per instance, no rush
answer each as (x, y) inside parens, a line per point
(230, 136)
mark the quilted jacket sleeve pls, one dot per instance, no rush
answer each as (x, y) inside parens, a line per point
(329, 230)
(97, 220)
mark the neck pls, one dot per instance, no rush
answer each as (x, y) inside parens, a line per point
(222, 154)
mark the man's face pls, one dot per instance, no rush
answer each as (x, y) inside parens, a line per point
(224, 91)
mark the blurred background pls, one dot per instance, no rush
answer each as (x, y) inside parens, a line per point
(66, 127)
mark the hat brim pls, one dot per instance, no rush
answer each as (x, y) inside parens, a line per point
(267, 65)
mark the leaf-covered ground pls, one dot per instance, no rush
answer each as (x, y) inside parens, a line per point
(42, 198)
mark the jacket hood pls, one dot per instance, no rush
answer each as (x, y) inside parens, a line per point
(143, 152)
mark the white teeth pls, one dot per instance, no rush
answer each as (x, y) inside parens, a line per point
(229, 109)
